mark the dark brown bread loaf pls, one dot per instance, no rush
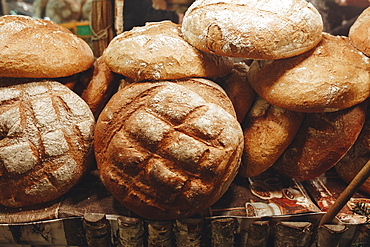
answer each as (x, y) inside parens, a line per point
(332, 76)
(322, 140)
(157, 51)
(168, 149)
(364, 137)
(237, 87)
(348, 167)
(252, 28)
(46, 137)
(37, 48)
(268, 131)
(359, 33)
(103, 84)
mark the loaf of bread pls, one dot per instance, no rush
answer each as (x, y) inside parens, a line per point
(348, 167)
(37, 48)
(237, 87)
(268, 131)
(251, 28)
(168, 149)
(364, 137)
(359, 33)
(157, 51)
(46, 139)
(322, 140)
(103, 84)
(70, 81)
(331, 77)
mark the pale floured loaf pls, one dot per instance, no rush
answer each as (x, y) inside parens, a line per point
(359, 32)
(253, 29)
(37, 48)
(46, 138)
(157, 51)
(268, 130)
(165, 151)
(331, 77)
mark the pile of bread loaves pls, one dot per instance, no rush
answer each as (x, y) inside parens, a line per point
(173, 113)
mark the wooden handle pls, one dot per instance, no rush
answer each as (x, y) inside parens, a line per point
(348, 192)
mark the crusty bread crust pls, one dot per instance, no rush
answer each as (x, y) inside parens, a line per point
(359, 33)
(157, 51)
(252, 29)
(46, 138)
(331, 77)
(354, 160)
(364, 137)
(37, 48)
(322, 140)
(164, 151)
(102, 86)
(268, 131)
(237, 87)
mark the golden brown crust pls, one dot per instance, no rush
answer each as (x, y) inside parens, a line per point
(157, 51)
(322, 140)
(164, 151)
(209, 90)
(251, 28)
(37, 48)
(46, 138)
(359, 33)
(268, 131)
(330, 77)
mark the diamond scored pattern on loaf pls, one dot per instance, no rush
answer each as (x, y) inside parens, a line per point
(148, 127)
(172, 151)
(17, 158)
(65, 173)
(178, 105)
(187, 149)
(181, 146)
(152, 125)
(10, 122)
(46, 133)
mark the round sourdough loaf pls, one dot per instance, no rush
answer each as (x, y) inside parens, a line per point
(37, 48)
(268, 131)
(157, 51)
(237, 87)
(46, 138)
(332, 76)
(168, 149)
(252, 29)
(322, 140)
(359, 32)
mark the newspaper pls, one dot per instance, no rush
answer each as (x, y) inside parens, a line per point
(268, 194)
